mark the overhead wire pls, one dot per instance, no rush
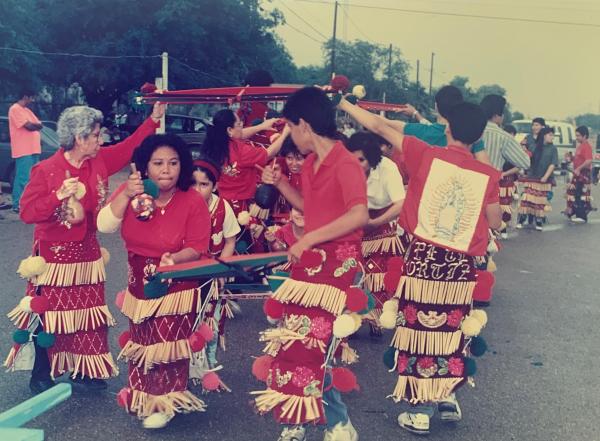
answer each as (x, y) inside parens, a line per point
(461, 15)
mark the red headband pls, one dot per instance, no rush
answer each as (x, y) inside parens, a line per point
(207, 165)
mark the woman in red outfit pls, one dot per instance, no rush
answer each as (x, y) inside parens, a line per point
(62, 199)
(226, 146)
(157, 345)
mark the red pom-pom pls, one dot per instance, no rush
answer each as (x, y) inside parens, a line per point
(344, 380)
(391, 281)
(206, 332)
(124, 338)
(310, 259)
(120, 299)
(356, 299)
(148, 88)
(261, 367)
(211, 381)
(274, 309)
(124, 397)
(39, 304)
(340, 83)
(196, 341)
(395, 264)
(483, 287)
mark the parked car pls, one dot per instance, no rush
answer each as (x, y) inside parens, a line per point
(564, 133)
(191, 128)
(7, 165)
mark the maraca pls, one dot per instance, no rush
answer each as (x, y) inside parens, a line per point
(74, 212)
(143, 205)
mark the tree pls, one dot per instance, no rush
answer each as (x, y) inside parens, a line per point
(590, 120)
(206, 49)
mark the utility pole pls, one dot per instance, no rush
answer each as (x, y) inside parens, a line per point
(418, 85)
(390, 64)
(163, 84)
(431, 75)
(333, 41)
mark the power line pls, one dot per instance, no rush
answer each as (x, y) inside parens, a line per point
(456, 14)
(111, 57)
(301, 18)
(354, 24)
(304, 33)
(64, 54)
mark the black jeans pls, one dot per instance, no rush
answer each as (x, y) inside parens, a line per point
(41, 365)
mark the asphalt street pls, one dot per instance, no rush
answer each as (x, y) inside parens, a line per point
(539, 382)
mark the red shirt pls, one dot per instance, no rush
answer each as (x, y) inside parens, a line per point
(447, 195)
(398, 159)
(238, 176)
(39, 204)
(286, 234)
(338, 185)
(184, 224)
(583, 153)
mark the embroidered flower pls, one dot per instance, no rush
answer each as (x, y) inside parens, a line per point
(321, 328)
(456, 366)
(410, 314)
(346, 252)
(402, 363)
(454, 318)
(302, 376)
(426, 362)
(231, 170)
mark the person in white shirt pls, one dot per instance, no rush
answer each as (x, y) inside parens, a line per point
(382, 240)
(224, 229)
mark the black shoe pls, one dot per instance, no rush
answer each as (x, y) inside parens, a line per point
(5, 206)
(91, 384)
(39, 386)
(15, 210)
(481, 303)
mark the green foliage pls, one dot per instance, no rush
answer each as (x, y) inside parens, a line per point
(590, 120)
(221, 39)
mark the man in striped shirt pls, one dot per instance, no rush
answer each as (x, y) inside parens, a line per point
(501, 147)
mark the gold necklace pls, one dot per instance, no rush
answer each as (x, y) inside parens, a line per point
(164, 207)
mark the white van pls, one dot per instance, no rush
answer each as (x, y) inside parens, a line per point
(564, 134)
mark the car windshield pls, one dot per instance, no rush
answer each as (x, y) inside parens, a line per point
(50, 137)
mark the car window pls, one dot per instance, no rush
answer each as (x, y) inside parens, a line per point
(174, 124)
(199, 126)
(558, 135)
(522, 127)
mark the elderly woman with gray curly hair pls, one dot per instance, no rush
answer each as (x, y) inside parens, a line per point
(63, 315)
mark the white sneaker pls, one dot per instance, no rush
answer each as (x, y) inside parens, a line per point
(504, 235)
(417, 423)
(578, 220)
(539, 228)
(519, 226)
(294, 433)
(341, 432)
(449, 409)
(157, 420)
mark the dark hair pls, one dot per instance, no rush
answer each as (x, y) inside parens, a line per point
(381, 140)
(446, 98)
(509, 128)
(368, 144)
(493, 105)
(258, 77)
(539, 144)
(142, 155)
(208, 172)
(313, 106)
(26, 91)
(583, 131)
(539, 120)
(466, 122)
(216, 144)
(289, 147)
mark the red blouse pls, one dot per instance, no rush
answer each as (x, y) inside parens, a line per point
(583, 153)
(238, 176)
(185, 223)
(39, 204)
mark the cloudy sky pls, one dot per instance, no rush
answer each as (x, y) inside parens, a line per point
(548, 69)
